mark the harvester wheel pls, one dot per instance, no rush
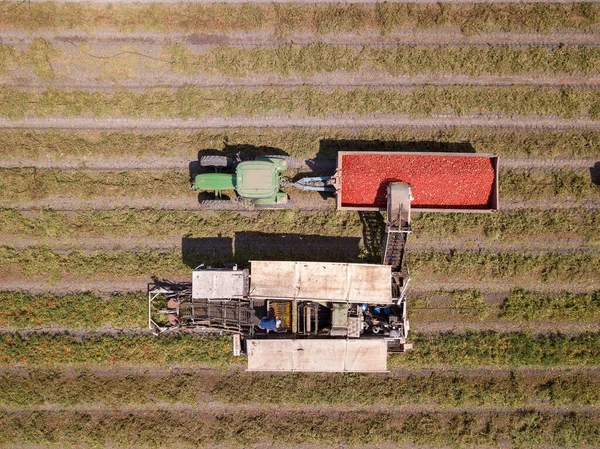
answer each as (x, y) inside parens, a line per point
(214, 161)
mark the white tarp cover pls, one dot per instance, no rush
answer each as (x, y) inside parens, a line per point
(319, 355)
(352, 282)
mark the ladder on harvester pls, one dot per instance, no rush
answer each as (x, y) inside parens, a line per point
(399, 197)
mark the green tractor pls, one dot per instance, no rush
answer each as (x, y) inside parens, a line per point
(257, 182)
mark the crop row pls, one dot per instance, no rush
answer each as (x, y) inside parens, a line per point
(159, 223)
(23, 184)
(283, 19)
(73, 311)
(402, 59)
(48, 61)
(260, 428)
(448, 350)
(519, 306)
(193, 102)
(296, 142)
(539, 184)
(45, 386)
(89, 311)
(43, 263)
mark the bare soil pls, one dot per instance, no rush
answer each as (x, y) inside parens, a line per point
(181, 162)
(422, 287)
(416, 244)
(279, 121)
(303, 1)
(442, 35)
(108, 59)
(308, 204)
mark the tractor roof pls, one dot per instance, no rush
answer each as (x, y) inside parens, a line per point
(257, 179)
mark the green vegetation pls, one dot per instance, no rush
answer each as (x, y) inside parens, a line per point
(533, 306)
(45, 386)
(448, 349)
(23, 184)
(511, 226)
(97, 349)
(36, 262)
(19, 184)
(37, 57)
(89, 311)
(162, 223)
(50, 386)
(544, 267)
(261, 428)
(297, 142)
(284, 19)
(469, 303)
(74, 311)
(520, 306)
(501, 349)
(40, 261)
(539, 184)
(442, 389)
(402, 59)
(192, 102)
(307, 60)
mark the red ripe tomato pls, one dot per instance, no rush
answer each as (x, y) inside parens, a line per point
(438, 181)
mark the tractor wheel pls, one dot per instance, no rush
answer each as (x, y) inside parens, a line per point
(220, 205)
(214, 161)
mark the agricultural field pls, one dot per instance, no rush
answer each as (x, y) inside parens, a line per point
(106, 106)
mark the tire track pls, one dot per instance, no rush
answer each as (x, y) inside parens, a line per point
(345, 80)
(308, 204)
(182, 162)
(417, 244)
(308, 2)
(459, 325)
(468, 324)
(417, 287)
(442, 35)
(281, 121)
(255, 407)
(212, 373)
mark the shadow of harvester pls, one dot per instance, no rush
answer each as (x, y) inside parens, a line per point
(246, 246)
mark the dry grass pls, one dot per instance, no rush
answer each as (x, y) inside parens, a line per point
(284, 19)
(265, 427)
(297, 142)
(192, 102)
(43, 263)
(400, 60)
(501, 388)
(26, 184)
(82, 310)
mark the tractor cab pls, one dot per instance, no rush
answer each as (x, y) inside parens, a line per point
(258, 180)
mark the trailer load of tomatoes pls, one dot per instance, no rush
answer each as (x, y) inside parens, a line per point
(438, 181)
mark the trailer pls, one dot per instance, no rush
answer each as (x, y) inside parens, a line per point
(440, 182)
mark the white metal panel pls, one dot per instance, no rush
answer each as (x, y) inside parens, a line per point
(270, 355)
(355, 283)
(217, 284)
(322, 355)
